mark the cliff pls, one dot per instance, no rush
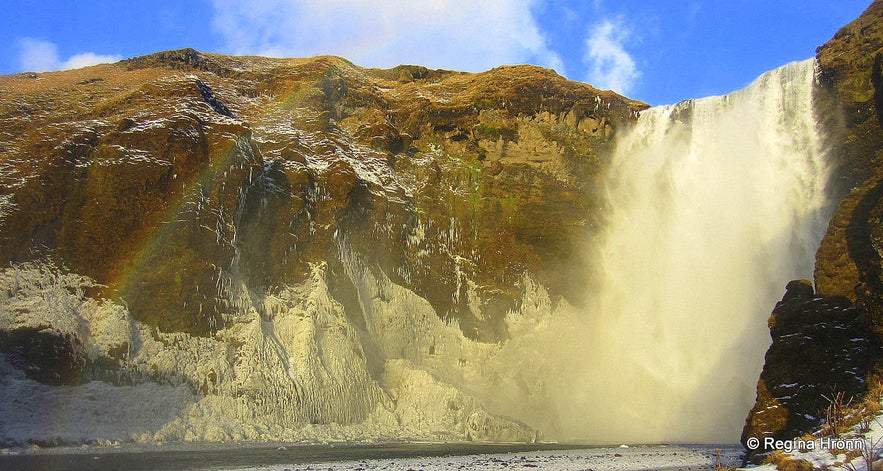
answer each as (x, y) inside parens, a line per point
(303, 249)
(292, 241)
(170, 178)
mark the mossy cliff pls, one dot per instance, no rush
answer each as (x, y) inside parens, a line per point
(186, 182)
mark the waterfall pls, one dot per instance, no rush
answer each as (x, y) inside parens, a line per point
(714, 205)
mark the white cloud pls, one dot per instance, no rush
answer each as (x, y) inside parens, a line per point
(452, 34)
(36, 55)
(86, 59)
(610, 66)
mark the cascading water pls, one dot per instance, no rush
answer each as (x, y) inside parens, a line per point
(715, 204)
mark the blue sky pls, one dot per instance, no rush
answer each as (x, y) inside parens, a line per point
(660, 51)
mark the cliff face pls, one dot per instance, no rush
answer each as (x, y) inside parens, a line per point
(827, 342)
(179, 178)
(277, 215)
(852, 76)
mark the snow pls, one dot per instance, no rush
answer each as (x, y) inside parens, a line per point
(37, 296)
(94, 411)
(864, 449)
(392, 456)
(292, 367)
(610, 459)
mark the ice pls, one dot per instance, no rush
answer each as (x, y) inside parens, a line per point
(292, 367)
(92, 412)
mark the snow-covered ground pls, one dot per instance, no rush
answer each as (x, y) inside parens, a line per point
(392, 456)
(859, 450)
(641, 458)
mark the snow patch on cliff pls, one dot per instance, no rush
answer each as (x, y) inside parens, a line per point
(293, 367)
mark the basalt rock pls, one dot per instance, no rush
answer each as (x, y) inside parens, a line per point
(45, 355)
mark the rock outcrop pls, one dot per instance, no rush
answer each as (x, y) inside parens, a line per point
(847, 263)
(821, 348)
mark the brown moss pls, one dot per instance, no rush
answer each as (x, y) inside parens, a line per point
(783, 462)
(851, 110)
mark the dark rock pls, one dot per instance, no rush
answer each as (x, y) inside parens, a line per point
(45, 355)
(820, 347)
(212, 100)
(182, 59)
(798, 289)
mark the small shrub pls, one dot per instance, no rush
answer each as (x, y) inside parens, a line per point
(864, 424)
(835, 413)
(719, 465)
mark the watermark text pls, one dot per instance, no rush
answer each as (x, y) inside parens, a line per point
(788, 446)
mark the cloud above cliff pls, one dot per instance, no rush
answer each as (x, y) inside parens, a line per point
(610, 66)
(36, 55)
(469, 36)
